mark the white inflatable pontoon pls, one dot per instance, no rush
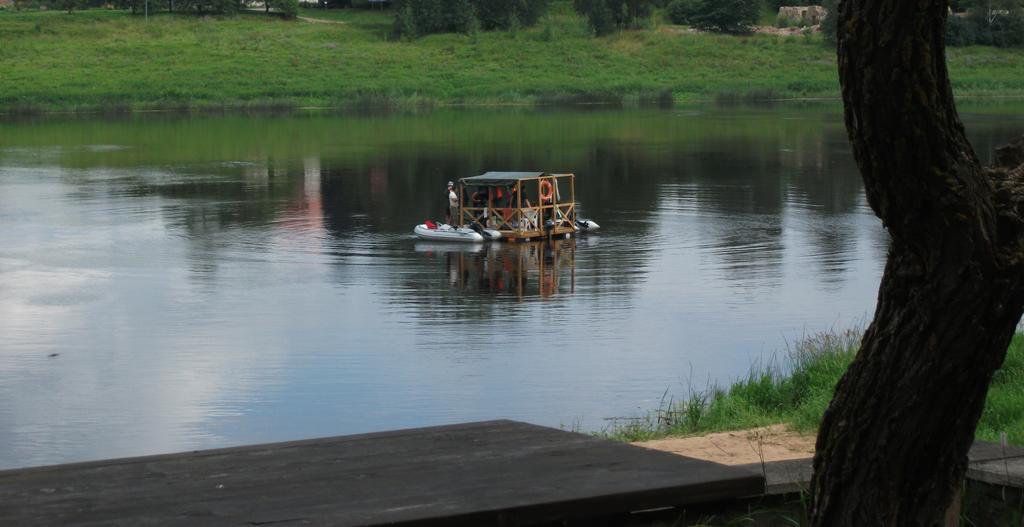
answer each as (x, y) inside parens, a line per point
(447, 233)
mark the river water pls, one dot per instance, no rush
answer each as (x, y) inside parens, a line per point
(174, 282)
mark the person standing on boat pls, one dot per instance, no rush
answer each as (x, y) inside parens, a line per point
(453, 204)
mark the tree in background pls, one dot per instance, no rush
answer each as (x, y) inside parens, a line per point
(987, 22)
(774, 5)
(997, 22)
(605, 16)
(415, 18)
(67, 5)
(598, 14)
(961, 31)
(892, 446)
(404, 25)
(828, 24)
(503, 14)
(632, 14)
(202, 7)
(289, 9)
(724, 16)
(133, 5)
(423, 17)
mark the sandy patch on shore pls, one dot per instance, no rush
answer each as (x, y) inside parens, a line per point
(772, 443)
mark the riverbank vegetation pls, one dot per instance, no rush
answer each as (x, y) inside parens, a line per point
(795, 390)
(111, 60)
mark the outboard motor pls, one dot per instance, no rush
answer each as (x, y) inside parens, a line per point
(585, 225)
(488, 234)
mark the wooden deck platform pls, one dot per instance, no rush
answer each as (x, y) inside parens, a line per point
(987, 462)
(489, 473)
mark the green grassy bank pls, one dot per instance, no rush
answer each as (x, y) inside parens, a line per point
(111, 60)
(798, 394)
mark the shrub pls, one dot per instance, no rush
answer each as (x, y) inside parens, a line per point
(678, 11)
(289, 8)
(424, 17)
(548, 33)
(631, 13)
(960, 31)
(986, 28)
(65, 5)
(830, 24)
(725, 16)
(605, 16)
(202, 7)
(774, 5)
(458, 16)
(598, 15)
(500, 14)
(404, 25)
(1008, 30)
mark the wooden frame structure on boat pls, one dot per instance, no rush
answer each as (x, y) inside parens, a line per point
(521, 205)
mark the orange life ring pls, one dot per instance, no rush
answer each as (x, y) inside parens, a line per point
(546, 196)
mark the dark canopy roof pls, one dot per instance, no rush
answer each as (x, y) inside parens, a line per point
(499, 178)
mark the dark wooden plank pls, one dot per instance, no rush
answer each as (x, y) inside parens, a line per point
(989, 462)
(491, 473)
(786, 476)
(988, 451)
(996, 464)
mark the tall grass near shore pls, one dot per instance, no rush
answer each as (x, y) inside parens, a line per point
(797, 391)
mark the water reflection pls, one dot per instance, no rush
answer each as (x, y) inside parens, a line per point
(507, 270)
(213, 281)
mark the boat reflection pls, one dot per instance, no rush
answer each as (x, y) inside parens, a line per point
(521, 270)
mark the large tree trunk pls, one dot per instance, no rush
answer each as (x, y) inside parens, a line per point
(892, 448)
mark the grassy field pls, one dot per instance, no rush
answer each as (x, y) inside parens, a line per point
(111, 60)
(798, 394)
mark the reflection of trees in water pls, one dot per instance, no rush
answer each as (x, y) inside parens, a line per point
(224, 207)
(995, 133)
(734, 184)
(388, 194)
(739, 169)
(824, 192)
(749, 251)
(225, 196)
(750, 190)
(833, 251)
(742, 182)
(751, 186)
(394, 191)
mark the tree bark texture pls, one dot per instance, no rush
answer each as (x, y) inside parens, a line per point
(892, 448)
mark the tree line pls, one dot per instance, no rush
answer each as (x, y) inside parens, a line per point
(984, 22)
(287, 8)
(972, 22)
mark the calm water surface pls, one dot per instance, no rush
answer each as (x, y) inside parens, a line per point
(172, 283)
